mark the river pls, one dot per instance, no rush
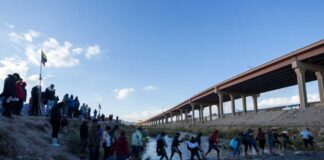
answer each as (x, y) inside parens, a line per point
(150, 153)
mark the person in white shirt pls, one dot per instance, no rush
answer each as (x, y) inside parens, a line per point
(307, 137)
(137, 143)
(107, 145)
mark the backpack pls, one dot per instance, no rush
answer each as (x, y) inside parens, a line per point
(233, 143)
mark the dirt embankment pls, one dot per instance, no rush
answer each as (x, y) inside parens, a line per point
(29, 138)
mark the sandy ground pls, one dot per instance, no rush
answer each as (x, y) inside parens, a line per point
(29, 138)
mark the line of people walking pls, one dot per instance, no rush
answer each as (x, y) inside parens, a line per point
(249, 140)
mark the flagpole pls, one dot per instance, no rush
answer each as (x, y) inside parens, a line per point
(40, 83)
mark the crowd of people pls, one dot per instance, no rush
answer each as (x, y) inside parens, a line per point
(94, 138)
(277, 143)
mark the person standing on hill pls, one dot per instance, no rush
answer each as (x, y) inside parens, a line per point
(95, 113)
(21, 95)
(55, 120)
(108, 145)
(121, 147)
(84, 134)
(94, 141)
(213, 143)
(9, 94)
(137, 143)
(49, 98)
(262, 140)
(35, 100)
(175, 146)
(76, 107)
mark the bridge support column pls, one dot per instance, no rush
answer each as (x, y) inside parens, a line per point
(233, 103)
(181, 116)
(255, 103)
(193, 114)
(301, 87)
(320, 79)
(166, 119)
(186, 115)
(171, 116)
(201, 116)
(210, 113)
(220, 106)
(244, 103)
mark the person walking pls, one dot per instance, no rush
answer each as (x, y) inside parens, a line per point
(198, 138)
(286, 141)
(9, 94)
(307, 137)
(95, 113)
(94, 141)
(160, 146)
(137, 143)
(213, 143)
(65, 100)
(107, 144)
(262, 139)
(270, 139)
(194, 148)
(49, 98)
(121, 147)
(55, 120)
(175, 146)
(235, 145)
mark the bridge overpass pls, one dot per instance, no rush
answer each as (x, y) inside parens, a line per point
(295, 68)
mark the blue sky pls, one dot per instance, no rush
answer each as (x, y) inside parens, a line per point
(139, 57)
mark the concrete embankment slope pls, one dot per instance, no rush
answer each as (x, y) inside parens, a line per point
(29, 138)
(310, 117)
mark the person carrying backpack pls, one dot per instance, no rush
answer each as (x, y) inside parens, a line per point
(137, 143)
(174, 146)
(108, 145)
(160, 146)
(194, 149)
(213, 143)
(235, 145)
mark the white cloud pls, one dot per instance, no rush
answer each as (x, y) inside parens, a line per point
(33, 78)
(10, 65)
(93, 51)
(280, 101)
(123, 93)
(137, 116)
(11, 26)
(28, 36)
(149, 88)
(77, 51)
(57, 55)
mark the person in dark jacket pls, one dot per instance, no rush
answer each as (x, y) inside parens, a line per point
(76, 107)
(262, 139)
(49, 98)
(174, 146)
(9, 94)
(55, 120)
(94, 142)
(198, 138)
(84, 134)
(35, 100)
(121, 147)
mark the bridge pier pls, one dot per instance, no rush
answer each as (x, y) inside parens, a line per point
(220, 106)
(201, 115)
(320, 80)
(181, 116)
(210, 113)
(193, 113)
(233, 103)
(255, 102)
(244, 103)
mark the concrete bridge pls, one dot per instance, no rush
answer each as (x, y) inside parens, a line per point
(295, 68)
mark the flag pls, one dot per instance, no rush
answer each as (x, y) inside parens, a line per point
(44, 58)
(99, 106)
